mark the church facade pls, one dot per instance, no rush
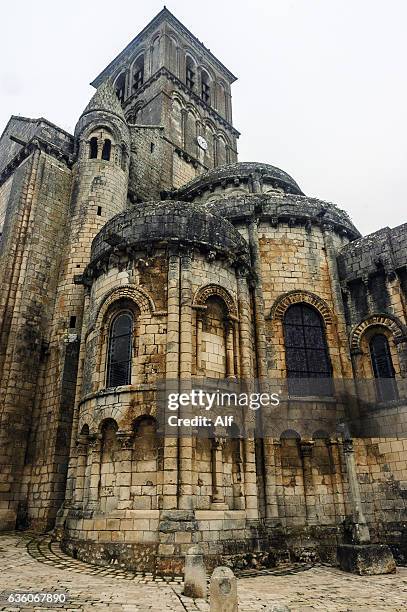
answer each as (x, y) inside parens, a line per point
(139, 250)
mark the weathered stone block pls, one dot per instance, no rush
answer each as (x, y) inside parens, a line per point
(366, 559)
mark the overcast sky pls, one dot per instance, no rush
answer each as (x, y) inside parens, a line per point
(321, 90)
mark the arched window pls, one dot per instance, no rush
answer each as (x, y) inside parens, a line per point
(306, 351)
(93, 148)
(190, 72)
(121, 86)
(138, 73)
(205, 87)
(107, 147)
(120, 350)
(383, 369)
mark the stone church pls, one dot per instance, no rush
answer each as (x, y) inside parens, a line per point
(137, 250)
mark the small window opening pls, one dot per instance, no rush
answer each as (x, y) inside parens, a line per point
(152, 147)
(121, 87)
(205, 89)
(93, 148)
(99, 211)
(190, 78)
(72, 322)
(138, 74)
(107, 147)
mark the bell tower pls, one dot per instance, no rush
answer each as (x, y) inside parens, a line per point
(166, 77)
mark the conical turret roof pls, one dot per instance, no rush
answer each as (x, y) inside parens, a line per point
(105, 99)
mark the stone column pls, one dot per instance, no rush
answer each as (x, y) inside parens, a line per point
(199, 335)
(244, 324)
(309, 489)
(258, 302)
(170, 443)
(250, 480)
(81, 459)
(271, 484)
(94, 458)
(218, 496)
(185, 476)
(195, 574)
(336, 478)
(230, 360)
(260, 338)
(360, 530)
(126, 439)
(336, 292)
(280, 500)
(184, 113)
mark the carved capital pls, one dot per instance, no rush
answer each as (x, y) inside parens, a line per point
(125, 439)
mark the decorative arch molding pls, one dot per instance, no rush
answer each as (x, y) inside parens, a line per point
(139, 296)
(224, 137)
(191, 109)
(94, 127)
(295, 297)
(209, 124)
(135, 57)
(189, 53)
(209, 71)
(390, 322)
(175, 96)
(210, 290)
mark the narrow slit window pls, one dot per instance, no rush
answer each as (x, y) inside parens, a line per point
(93, 148)
(72, 322)
(99, 211)
(107, 148)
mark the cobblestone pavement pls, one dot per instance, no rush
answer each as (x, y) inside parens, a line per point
(35, 564)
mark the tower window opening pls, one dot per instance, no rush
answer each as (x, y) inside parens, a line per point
(99, 211)
(205, 88)
(93, 148)
(72, 322)
(190, 78)
(151, 147)
(138, 73)
(190, 73)
(121, 87)
(107, 148)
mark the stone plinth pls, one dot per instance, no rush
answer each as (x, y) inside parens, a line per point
(366, 559)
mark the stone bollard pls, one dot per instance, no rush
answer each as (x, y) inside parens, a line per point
(195, 574)
(223, 591)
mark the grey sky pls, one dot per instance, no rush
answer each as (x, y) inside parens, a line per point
(321, 93)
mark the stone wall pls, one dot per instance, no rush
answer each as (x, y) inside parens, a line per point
(35, 223)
